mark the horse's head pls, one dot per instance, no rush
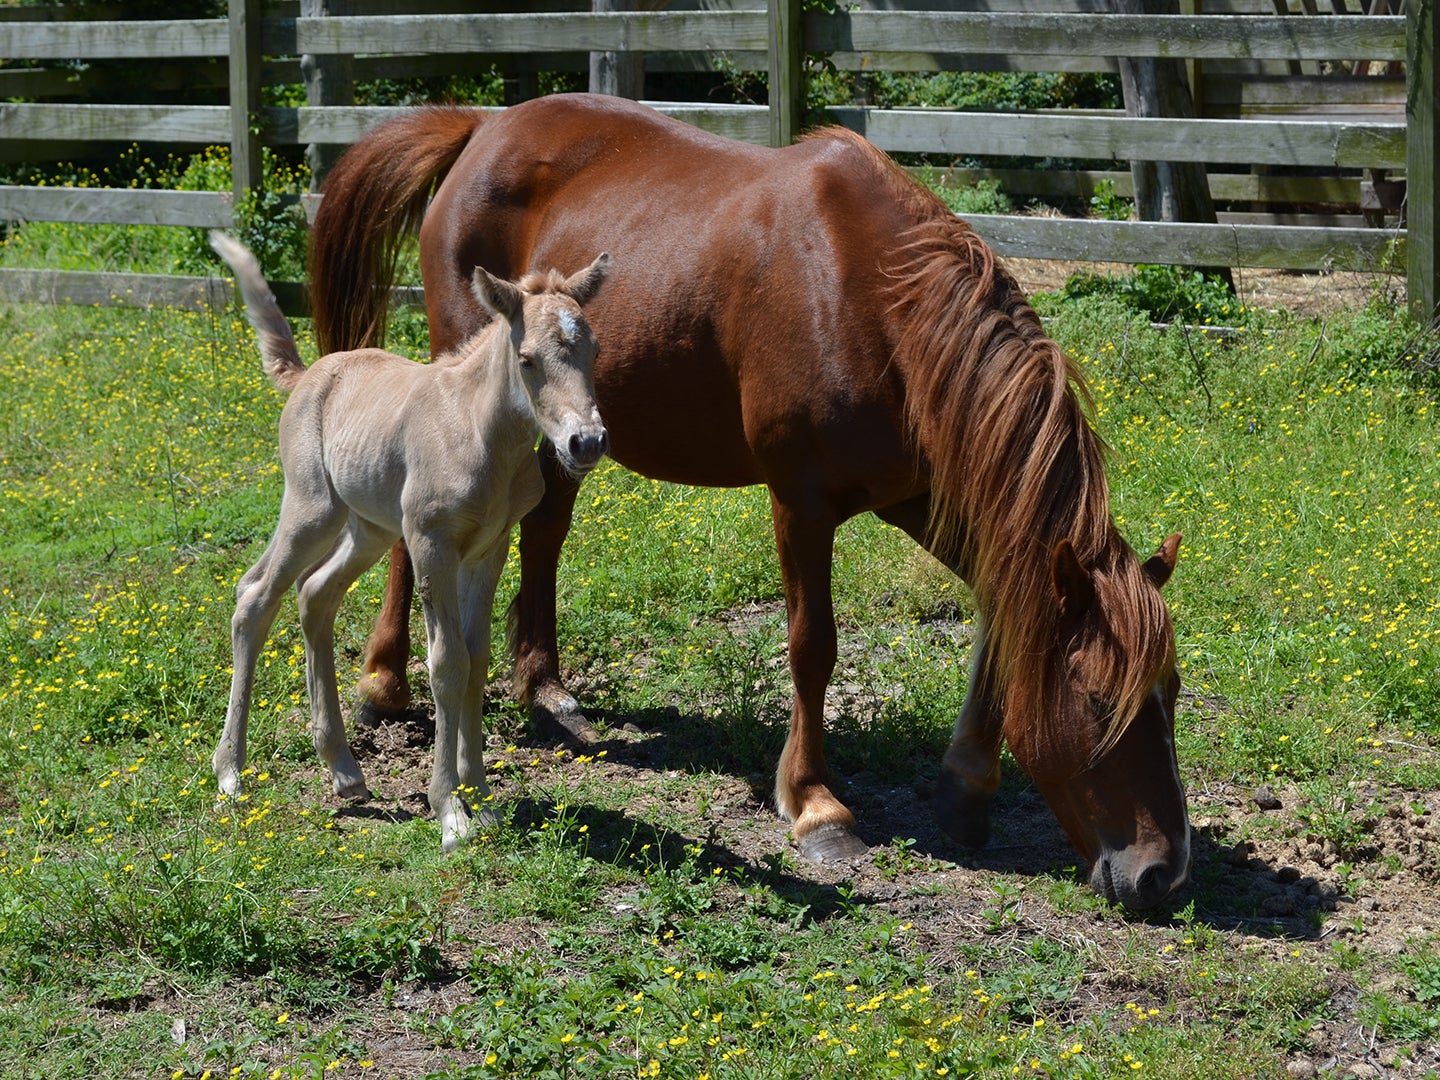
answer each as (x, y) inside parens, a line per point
(1104, 757)
(554, 351)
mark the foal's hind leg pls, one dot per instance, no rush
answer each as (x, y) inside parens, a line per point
(359, 547)
(301, 539)
(970, 769)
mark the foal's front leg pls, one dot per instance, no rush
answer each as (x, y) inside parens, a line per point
(437, 581)
(478, 581)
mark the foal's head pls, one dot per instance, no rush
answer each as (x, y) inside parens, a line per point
(554, 352)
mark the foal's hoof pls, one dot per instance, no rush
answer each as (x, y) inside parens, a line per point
(962, 813)
(558, 716)
(831, 844)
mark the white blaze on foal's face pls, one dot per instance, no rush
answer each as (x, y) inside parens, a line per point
(557, 352)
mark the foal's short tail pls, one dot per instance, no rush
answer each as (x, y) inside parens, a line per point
(277, 341)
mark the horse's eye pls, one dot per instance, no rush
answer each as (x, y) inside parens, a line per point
(527, 359)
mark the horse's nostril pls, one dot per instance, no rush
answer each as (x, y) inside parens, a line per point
(1151, 885)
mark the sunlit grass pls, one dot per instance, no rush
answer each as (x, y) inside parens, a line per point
(140, 477)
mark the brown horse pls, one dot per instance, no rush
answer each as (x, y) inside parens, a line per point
(811, 319)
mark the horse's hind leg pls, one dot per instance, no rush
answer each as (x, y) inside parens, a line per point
(824, 827)
(553, 711)
(384, 688)
(970, 769)
(321, 592)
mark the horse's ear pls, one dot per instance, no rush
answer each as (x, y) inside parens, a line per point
(497, 296)
(1161, 565)
(583, 286)
(1073, 586)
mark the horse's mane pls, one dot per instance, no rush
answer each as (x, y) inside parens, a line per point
(998, 415)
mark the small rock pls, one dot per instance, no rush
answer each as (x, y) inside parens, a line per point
(1266, 799)
(1300, 1068)
(1362, 1070)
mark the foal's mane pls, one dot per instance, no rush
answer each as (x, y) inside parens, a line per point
(998, 416)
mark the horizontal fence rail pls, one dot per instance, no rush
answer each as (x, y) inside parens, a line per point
(1368, 131)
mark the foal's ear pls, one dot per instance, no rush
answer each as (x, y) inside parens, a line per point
(1161, 565)
(583, 286)
(497, 296)
(1073, 586)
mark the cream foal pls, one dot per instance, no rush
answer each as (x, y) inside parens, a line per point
(376, 447)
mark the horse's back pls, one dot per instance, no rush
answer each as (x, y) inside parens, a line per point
(745, 327)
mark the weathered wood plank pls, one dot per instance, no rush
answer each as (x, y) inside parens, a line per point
(1263, 142)
(245, 97)
(154, 290)
(132, 40)
(1224, 187)
(647, 31)
(203, 124)
(1215, 37)
(1279, 246)
(286, 126)
(121, 206)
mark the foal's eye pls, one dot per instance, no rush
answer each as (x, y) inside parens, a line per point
(527, 359)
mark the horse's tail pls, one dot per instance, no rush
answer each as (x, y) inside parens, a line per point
(374, 196)
(277, 341)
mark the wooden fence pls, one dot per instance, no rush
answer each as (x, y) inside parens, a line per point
(776, 38)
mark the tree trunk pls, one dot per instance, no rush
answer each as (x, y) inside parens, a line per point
(1159, 87)
(329, 80)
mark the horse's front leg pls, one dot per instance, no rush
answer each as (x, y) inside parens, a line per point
(437, 578)
(533, 637)
(970, 769)
(824, 827)
(384, 688)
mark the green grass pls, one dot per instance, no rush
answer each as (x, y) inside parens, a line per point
(603, 930)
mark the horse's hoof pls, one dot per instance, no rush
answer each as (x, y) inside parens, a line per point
(563, 720)
(831, 844)
(369, 715)
(964, 815)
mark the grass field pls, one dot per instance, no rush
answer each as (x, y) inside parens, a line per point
(640, 911)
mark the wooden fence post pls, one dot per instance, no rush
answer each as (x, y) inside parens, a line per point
(787, 72)
(329, 80)
(617, 73)
(1422, 210)
(244, 95)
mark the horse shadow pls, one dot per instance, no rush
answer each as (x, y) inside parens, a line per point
(1231, 888)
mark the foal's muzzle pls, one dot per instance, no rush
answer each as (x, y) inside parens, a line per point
(586, 448)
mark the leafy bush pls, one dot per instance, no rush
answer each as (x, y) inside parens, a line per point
(983, 197)
(1163, 293)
